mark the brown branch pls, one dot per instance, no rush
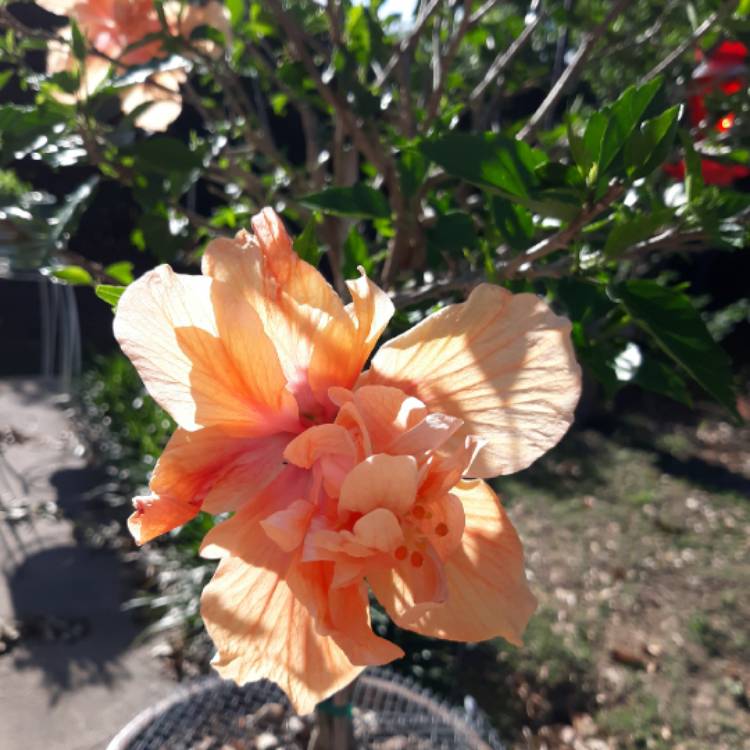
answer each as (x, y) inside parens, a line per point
(297, 38)
(689, 42)
(408, 43)
(504, 59)
(443, 63)
(586, 47)
(560, 239)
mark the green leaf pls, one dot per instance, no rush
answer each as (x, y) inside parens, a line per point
(592, 146)
(109, 293)
(648, 147)
(598, 360)
(659, 377)
(578, 150)
(670, 318)
(65, 220)
(624, 116)
(166, 155)
(121, 271)
(306, 245)
(356, 254)
(78, 41)
(489, 160)
(359, 200)
(743, 9)
(634, 230)
(412, 168)
(453, 232)
(584, 301)
(693, 170)
(236, 10)
(73, 275)
(514, 222)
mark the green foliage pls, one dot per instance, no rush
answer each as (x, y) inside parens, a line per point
(74, 275)
(109, 293)
(408, 151)
(670, 318)
(306, 244)
(359, 201)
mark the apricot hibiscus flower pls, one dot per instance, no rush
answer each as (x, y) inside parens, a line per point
(339, 479)
(113, 28)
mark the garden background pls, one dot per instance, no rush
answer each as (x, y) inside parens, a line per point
(595, 153)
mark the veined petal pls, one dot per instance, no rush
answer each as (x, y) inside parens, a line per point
(429, 434)
(60, 7)
(261, 607)
(502, 363)
(318, 441)
(287, 527)
(410, 584)
(387, 413)
(320, 342)
(339, 361)
(293, 300)
(215, 469)
(487, 593)
(261, 629)
(349, 617)
(247, 475)
(167, 326)
(379, 530)
(380, 481)
(155, 514)
(165, 101)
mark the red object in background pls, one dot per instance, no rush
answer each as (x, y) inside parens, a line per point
(723, 69)
(714, 172)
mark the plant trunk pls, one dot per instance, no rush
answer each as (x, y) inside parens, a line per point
(334, 729)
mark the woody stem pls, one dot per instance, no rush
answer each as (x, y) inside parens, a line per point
(334, 729)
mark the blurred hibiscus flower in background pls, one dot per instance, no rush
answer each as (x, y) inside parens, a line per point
(118, 32)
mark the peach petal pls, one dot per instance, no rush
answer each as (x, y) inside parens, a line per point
(387, 413)
(318, 441)
(446, 468)
(265, 611)
(291, 297)
(215, 469)
(261, 629)
(164, 106)
(156, 514)
(166, 325)
(380, 481)
(502, 363)
(349, 346)
(350, 419)
(379, 530)
(347, 572)
(417, 580)
(488, 595)
(321, 343)
(350, 620)
(446, 525)
(429, 434)
(247, 475)
(287, 527)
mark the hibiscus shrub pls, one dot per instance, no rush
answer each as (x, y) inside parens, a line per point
(431, 152)
(573, 158)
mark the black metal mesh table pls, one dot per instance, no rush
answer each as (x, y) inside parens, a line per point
(390, 712)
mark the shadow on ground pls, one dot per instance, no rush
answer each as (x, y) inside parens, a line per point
(67, 600)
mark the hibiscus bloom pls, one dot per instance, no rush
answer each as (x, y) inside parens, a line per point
(110, 28)
(340, 479)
